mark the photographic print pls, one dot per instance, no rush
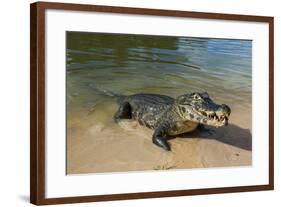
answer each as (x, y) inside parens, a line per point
(175, 103)
(150, 103)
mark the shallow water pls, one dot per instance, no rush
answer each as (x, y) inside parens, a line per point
(99, 65)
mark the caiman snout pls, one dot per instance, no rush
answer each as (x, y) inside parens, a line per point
(223, 110)
(218, 116)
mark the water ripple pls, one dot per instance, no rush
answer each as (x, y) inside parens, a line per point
(128, 64)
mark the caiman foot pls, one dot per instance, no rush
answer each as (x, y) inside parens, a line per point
(161, 142)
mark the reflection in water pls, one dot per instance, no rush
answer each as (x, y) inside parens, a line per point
(126, 64)
(101, 64)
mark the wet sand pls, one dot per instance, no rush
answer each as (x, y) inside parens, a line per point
(95, 144)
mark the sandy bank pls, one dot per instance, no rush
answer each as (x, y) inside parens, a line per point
(96, 144)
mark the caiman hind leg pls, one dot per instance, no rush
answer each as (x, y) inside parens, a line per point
(160, 138)
(124, 112)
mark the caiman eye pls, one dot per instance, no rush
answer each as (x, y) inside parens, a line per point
(197, 97)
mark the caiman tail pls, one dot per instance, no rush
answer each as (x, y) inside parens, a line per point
(119, 98)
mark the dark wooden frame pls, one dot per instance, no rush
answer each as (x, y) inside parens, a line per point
(37, 102)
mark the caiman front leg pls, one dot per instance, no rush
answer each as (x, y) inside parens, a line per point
(160, 138)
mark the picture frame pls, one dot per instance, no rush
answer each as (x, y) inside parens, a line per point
(38, 102)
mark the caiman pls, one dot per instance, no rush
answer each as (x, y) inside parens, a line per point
(169, 117)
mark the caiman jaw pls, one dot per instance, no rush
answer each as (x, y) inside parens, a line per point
(214, 119)
(199, 108)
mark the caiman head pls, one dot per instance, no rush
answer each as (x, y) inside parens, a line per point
(200, 108)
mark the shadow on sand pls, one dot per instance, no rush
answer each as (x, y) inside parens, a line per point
(231, 134)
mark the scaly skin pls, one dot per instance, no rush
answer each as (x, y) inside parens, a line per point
(168, 116)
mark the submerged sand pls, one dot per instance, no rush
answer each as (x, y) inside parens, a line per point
(95, 144)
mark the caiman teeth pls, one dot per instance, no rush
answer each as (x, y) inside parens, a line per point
(215, 117)
(223, 118)
(211, 116)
